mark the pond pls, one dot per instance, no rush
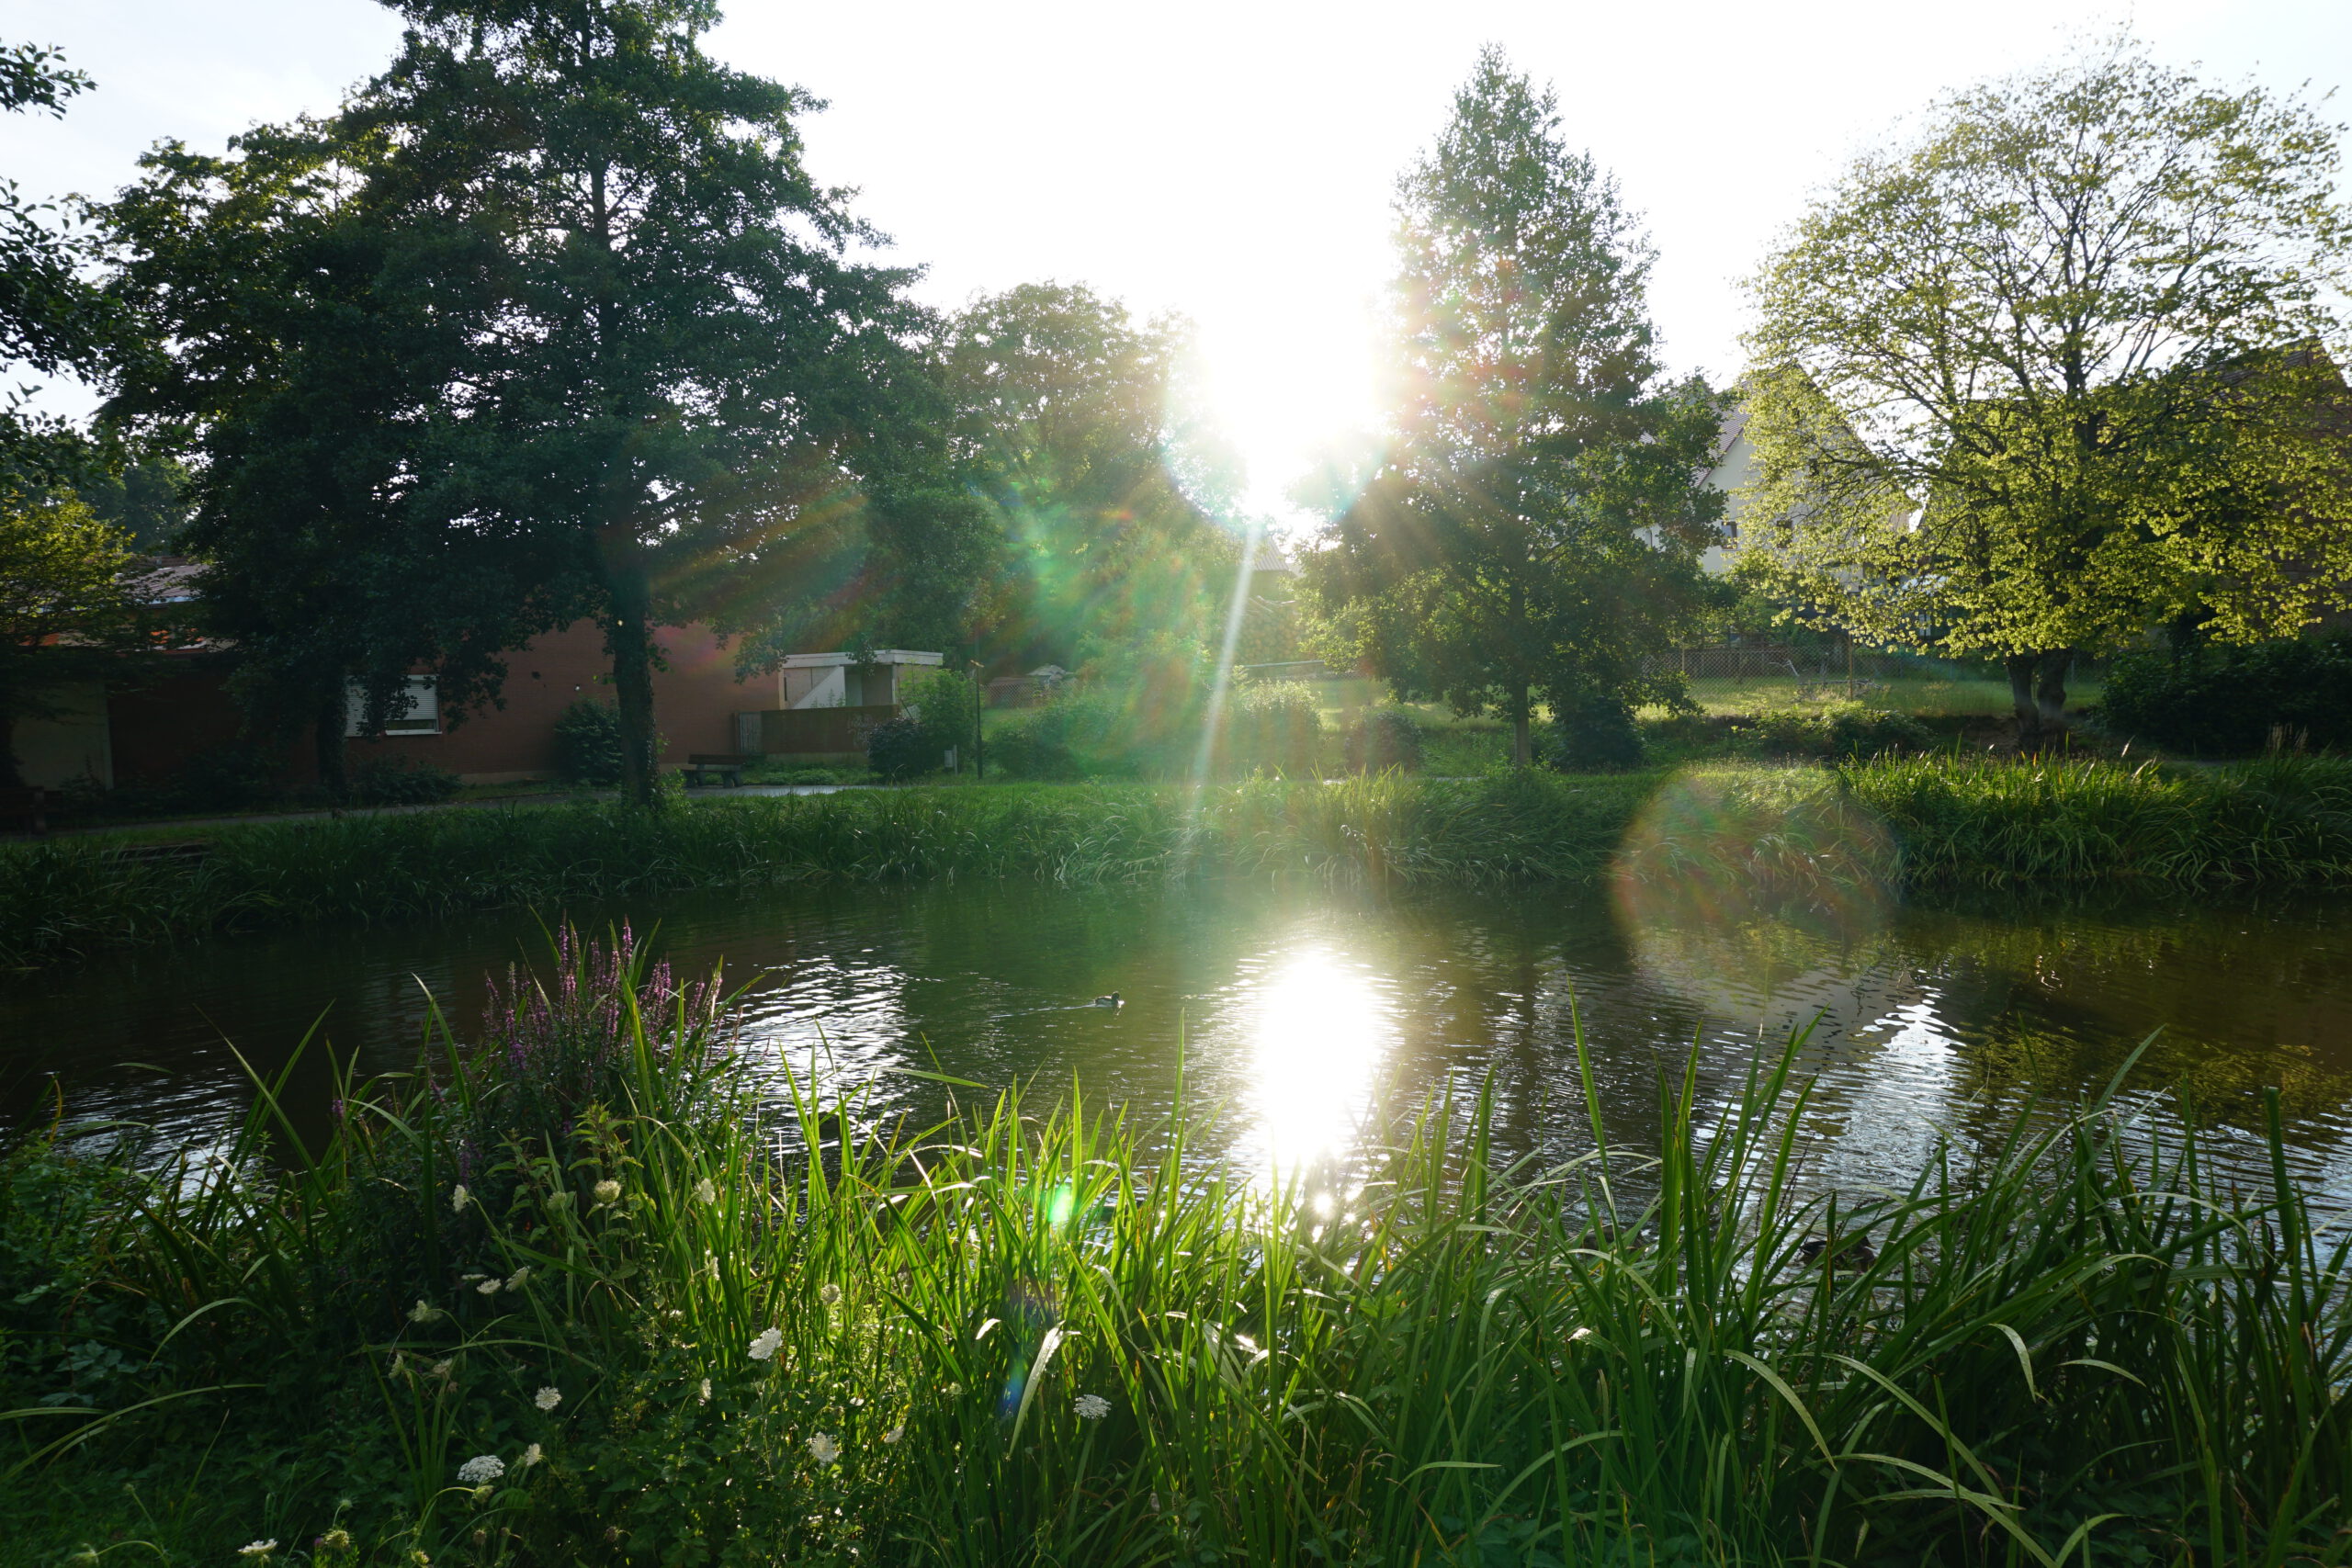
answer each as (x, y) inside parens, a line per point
(1299, 1007)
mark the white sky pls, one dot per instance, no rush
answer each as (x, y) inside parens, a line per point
(1232, 161)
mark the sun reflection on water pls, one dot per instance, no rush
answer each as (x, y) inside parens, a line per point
(1322, 1031)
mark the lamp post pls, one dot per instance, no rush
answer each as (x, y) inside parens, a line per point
(979, 710)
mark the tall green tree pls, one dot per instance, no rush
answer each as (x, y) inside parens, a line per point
(680, 367)
(302, 363)
(2054, 371)
(52, 318)
(1069, 418)
(1532, 530)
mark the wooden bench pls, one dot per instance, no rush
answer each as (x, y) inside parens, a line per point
(727, 767)
(30, 806)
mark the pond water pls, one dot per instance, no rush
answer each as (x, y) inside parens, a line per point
(1298, 1007)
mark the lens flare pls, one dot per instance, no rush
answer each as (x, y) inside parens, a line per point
(1760, 868)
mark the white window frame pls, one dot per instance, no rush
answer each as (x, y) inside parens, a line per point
(420, 713)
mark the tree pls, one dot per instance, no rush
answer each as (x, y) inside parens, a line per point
(69, 604)
(1532, 530)
(1068, 418)
(303, 369)
(2052, 372)
(51, 317)
(672, 368)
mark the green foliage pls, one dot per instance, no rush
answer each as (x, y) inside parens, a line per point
(1384, 738)
(2119, 275)
(1069, 413)
(1595, 733)
(900, 750)
(1840, 728)
(947, 702)
(68, 602)
(2231, 700)
(588, 743)
(1275, 726)
(402, 780)
(1049, 1333)
(1531, 531)
(1958, 822)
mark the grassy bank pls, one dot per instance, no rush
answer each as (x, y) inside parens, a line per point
(569, 1305)
(1946, 821)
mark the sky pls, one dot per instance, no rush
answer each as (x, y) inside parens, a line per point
(1228, 160)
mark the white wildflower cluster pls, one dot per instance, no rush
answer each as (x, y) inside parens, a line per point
(706, 1191)
(460, 1198)
(895, 1433)
(703, 1397)
(1092, 1407)
(257, 1549)
(531, 1456)
(829, 1294)
(823, 1450)
(517, 1279)
(482, 1469)
(423, 1311)
(609, 1190)
(488, 1287)
(547, 1398)
(769, 1342)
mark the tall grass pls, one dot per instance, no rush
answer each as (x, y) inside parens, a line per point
(1952, 821)
(1040, 1331)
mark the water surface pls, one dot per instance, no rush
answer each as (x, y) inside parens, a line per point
(1299, 1006)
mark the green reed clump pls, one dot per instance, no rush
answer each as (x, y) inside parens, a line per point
(1951, 821)
(662, 1324)
(1993, 821)
(75, 896)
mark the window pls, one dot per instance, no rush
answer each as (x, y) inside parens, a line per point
(417, 711)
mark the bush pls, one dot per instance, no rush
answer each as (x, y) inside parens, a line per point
(236, 776)
(947, 704)
(588, 743)
(402, 780)
(1842, 728)
(2229, 701)
(900, 748)
(1383, 739)
(1595, 735)
(1275, 726)
(1035, 746)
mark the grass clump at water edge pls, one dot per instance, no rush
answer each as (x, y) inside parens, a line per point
(569, 1298)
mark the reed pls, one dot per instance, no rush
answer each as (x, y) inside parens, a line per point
(1040, 1331)
(1951, 821)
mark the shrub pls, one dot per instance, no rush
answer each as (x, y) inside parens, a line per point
(1595, 735)
(588, 743)
(232, 777)
(1384, 738)
(1842, 728)
(900, 748)
(947, 706)
(1035, 747)
(2229, 701)
(402, 780)
(1276, 726)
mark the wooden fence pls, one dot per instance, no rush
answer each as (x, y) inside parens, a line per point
(805, 732)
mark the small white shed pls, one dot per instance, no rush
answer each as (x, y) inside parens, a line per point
(848, 680)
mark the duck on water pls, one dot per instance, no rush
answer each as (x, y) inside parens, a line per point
(1112, 1000)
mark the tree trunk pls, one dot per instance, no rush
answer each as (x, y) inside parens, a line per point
(327, 740)
(9, 777)
(629, 639)
(1520, 753)
(2022, 668)
(2049, 690)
